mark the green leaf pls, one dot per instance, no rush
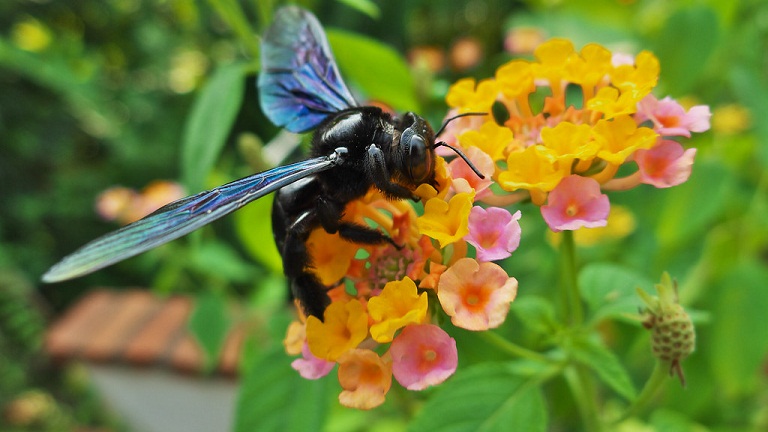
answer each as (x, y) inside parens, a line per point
(220, 260)
(254, 229)
(664, 420)
(695, 32)
(364, 6)
(486, 397)
(752, 91)
(609, 290)
(536, 314)
(377, 69)
(738, 343)
(273, 397)
(209, 123)
(684, 214)
(210, 323)
(597, 357)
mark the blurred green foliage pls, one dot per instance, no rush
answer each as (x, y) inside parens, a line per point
(96, 93)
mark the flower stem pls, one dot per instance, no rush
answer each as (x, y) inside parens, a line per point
(583, 389)
(569, 286)
(655, 383)
(513, 348)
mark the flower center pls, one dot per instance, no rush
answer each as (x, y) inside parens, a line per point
(390, 266)
(669, 121)
(572, 210)
(430, 355)
(472, 299)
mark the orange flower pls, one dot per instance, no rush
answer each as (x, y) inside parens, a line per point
(365, 378)
(476, 296)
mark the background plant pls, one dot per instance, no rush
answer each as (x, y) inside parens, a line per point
(124, 92)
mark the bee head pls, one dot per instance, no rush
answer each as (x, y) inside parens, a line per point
(416, 150)
(416, 158)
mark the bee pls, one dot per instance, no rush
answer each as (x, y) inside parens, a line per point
(354, 148)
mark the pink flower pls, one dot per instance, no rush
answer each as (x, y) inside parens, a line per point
(574, 203)
(465, 180)
(665, 165)
(670, 118)
(476, 295)
(455, 128)
(494, 232)
(423, 355)
(311, 367)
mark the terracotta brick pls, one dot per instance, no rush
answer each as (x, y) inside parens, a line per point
(137, 327)
(230, 353)
(186, 355)
(68, 336)
(151, 344)
(113, 332)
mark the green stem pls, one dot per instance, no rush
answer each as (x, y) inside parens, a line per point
(583, 389)
(580, 380)
(569, 285)
(655, 383)
(512, 348)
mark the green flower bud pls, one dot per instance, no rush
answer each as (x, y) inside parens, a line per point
(673, 337)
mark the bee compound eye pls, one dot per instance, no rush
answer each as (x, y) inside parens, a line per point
(419, 160)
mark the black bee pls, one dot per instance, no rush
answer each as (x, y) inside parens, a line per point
(354, 148)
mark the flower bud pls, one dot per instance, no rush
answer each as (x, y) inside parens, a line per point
(673, 337)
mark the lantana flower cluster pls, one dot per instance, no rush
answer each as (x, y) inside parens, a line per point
(383, 321)
(597, 114)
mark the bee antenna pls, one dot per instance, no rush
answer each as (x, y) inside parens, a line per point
(462, 155)
(442, 128)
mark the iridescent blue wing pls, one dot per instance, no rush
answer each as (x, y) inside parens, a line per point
(299, 83)
(181, 217)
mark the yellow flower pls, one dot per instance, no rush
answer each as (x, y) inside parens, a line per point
(515, 79)
(569, 141)
(492, 139)
(552, 55)
(620, 137)
(398, 305)
(590, 67)
(446, 222)
(534, 169)
(331, 255)
(468, 97)
(426, 191)
(621, 223)
(30, 34)
(345, 325)
(639, 78)
(294, 338)
(613, 104)
(731, 119)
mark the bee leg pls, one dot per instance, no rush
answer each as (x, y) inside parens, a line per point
(311, 293)
(330, 213)
(379, 175)
(305, 285)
